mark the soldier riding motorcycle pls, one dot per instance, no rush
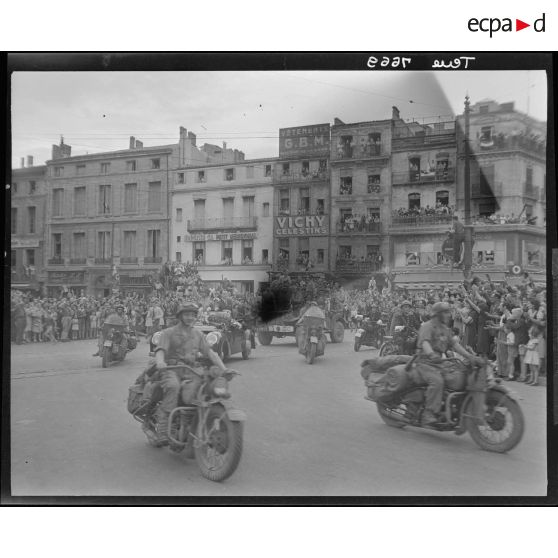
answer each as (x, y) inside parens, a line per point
(182, 400)
(432, 391)
(311, 339)
(116, 339)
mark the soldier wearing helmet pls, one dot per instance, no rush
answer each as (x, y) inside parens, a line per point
(118, 317)
(179, 344)
(434, 340)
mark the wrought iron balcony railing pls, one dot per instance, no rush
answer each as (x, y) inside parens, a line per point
(421, 177)
(128, 260)
(347, 265)
(421, 220)
(215, 224)
(152, 259)
(78, 261)
(56, 261)
(359, 228)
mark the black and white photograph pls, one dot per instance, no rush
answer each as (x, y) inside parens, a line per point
(262, 283)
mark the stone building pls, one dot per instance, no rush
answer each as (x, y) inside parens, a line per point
(108, 213)
(222, 221)
(27, 226)
(422, 201)
(301, 200)
(508, 189)
(360, 192)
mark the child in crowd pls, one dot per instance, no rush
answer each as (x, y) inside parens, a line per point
(93, 322)
(512, 351)
(532, 358)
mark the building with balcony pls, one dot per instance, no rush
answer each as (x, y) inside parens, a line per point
(360, 194)
(222, 220)
(113, 209)
(27, 226)
(508, 187)
(422, 200)
(301, 200)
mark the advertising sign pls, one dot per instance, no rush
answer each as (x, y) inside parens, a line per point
(66, 277)
(303, 225)
(304, 141)
(202, 237)
(25, 242)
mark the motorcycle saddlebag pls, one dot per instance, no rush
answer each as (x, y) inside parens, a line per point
(382, 388)
(380, 365)
(135, 397)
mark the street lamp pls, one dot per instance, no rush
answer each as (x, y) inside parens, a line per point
(468, 248)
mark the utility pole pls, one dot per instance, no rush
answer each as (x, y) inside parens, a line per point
(468, 254)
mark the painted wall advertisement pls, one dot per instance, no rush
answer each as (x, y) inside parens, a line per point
(301, 225)
(304, 141)
(202, 237)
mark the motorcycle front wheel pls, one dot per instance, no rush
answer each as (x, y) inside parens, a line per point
(388, 348)
(219, 453)
(106, 356)
(503, 424)
(357, 345)
(311, 353)
(382, 410)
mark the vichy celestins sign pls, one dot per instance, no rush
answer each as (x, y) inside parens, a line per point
(303, 225)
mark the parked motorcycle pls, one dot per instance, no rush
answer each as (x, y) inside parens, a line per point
(311, 338)
(402, 342)
(204, 426)
(472, 402)
(370, 333)
(117, 344)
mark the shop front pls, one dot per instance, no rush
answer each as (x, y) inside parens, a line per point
(66, 282)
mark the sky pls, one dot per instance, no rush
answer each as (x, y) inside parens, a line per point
(99, 111)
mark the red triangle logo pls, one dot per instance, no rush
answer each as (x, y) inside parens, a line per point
(519, 25)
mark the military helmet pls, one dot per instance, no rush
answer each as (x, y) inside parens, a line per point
(187, 307)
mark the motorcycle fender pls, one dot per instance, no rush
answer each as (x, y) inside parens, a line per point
(234, 414)
(506, 391)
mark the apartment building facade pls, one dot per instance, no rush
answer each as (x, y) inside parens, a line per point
(109, 212)
(222, 221)
(508, 188)
(28, 192)
(301, 200)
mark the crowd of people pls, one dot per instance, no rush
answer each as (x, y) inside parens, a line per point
(418, 211)
(356, 222)
(501, 219)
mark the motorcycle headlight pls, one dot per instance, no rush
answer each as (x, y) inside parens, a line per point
(220, 387)
(213, 338)
(156, 337)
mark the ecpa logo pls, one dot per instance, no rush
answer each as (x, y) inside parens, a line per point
(494, 24)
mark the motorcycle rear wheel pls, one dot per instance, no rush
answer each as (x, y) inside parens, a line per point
(106, 357)
(387, 419)
(219, 454)
(504, 424)
(388, 348)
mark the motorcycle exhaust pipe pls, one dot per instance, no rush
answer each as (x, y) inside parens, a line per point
(397, 416)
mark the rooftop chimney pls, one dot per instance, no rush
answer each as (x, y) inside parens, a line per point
(395, 113)
(337, 121)
(182, 132)
(192, 138)
(224, 145)
(29, 160)
(132, 142)
(139, 144)
(23, 162)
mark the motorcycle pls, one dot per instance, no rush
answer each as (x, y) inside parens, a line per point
(205, 426)
(472, 401)
(311, 339)
(117, 344)
(402, 342)
(369, 333)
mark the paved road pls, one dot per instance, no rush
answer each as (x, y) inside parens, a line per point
(309, 432)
